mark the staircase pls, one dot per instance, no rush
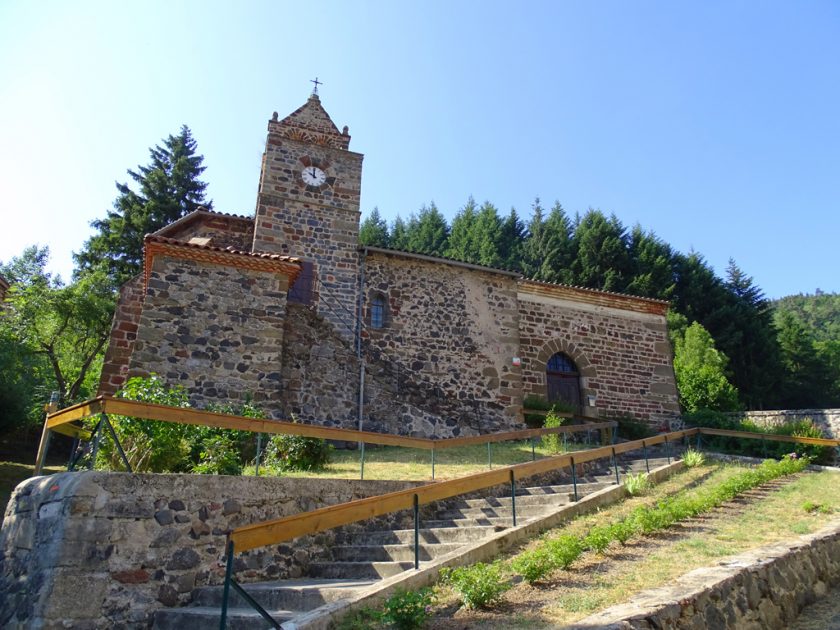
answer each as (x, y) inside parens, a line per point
(359, 559)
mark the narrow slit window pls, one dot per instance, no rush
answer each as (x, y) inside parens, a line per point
(377, 312)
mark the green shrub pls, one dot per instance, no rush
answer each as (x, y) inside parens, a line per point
(407, 610)
(598, 538)
(692, 458)
(149, 445)
(551, 554)
(536, 420)
(219, 456)
(295, 452)
(564, 550)
(636, 483)
(622, 531)
(553, 442)
(479, 585)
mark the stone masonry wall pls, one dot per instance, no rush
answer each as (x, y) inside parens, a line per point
(764, 588)
(123, 335)
(624, 357)
(321, 384)
(451, 330)
(105, 550)
(214, 329)
(827, 419)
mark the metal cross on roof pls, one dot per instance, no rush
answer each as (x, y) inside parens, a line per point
(317, 83)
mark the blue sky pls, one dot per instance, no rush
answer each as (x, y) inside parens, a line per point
(714, 124)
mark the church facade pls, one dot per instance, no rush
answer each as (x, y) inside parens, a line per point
(285, 308)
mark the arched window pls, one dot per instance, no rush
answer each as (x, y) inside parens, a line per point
(377, 311)
(562, 380)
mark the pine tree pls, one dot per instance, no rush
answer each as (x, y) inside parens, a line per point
(512, 241)
(462, 243)
(488, 236)
(399, 234)
(652, 261)
(374, 230)
(601, 258)
(427, 232)
(168, 188)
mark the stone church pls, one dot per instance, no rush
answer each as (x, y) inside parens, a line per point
(287, 309)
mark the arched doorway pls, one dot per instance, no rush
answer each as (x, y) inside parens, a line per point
(562, 380)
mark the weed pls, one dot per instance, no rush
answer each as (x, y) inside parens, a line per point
(553, 442)
(692, 458)
(637, 483)
(598, 538)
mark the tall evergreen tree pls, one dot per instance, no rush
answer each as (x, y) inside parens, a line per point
(807, 380)
(462, 243)
(601, 258)
(428, 232)
(488, 236)
(399, 234)
(374, 230)
(167, 189)
(511, 241)
(559, 250)
(652, 266)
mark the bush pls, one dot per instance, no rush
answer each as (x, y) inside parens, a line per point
(598, 538)
(637, 483)
(219, 456)
(553, 442)
(295, 452)
(479, 586)
(551, 554)
(407, 610)
(536, 420)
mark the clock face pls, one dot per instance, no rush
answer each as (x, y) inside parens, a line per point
(313, 176)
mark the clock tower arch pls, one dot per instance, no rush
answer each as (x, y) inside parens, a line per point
(308, 207)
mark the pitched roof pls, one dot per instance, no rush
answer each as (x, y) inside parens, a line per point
(197, 214)
(440, 259)
(228, 256)
(623, 301)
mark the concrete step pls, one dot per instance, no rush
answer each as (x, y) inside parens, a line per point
(358, 570)
(522, 511)
(523, 499)
(428, 535)
(390, 553)
(479, 521)
(299, 594)
(203, 617)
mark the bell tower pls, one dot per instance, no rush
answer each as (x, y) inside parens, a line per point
(308, 207)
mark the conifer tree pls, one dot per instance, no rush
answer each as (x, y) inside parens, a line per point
(167, 189)
(462, 243)
(653, 273)
(601, 259)
(427, 232)
(511, 241)
(488, 236)
(374, 230)
(399, 234)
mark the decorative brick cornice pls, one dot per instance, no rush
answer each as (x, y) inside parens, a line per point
(229, 257)
(593, 296)
(310, 124)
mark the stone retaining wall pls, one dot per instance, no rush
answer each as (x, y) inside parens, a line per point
(764, 588)
(104, 550)
(827, 419)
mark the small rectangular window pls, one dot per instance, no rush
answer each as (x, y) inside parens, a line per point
(377, 312)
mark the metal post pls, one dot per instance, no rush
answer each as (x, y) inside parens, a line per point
(614, 435)
(416, 532)
(668, 449)
(259, 455)
(362, 460)
(647, 462)
(615, 464)
(565, 448)
(533, 451)
(698, 441)
(489, 461)
(72, 454)
(433, 464)
(588, 437)
(226, 589)
(574, 478)
(97, 435)
(104, 419)
(513, 497)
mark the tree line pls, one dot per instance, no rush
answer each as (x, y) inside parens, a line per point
(733, 348)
